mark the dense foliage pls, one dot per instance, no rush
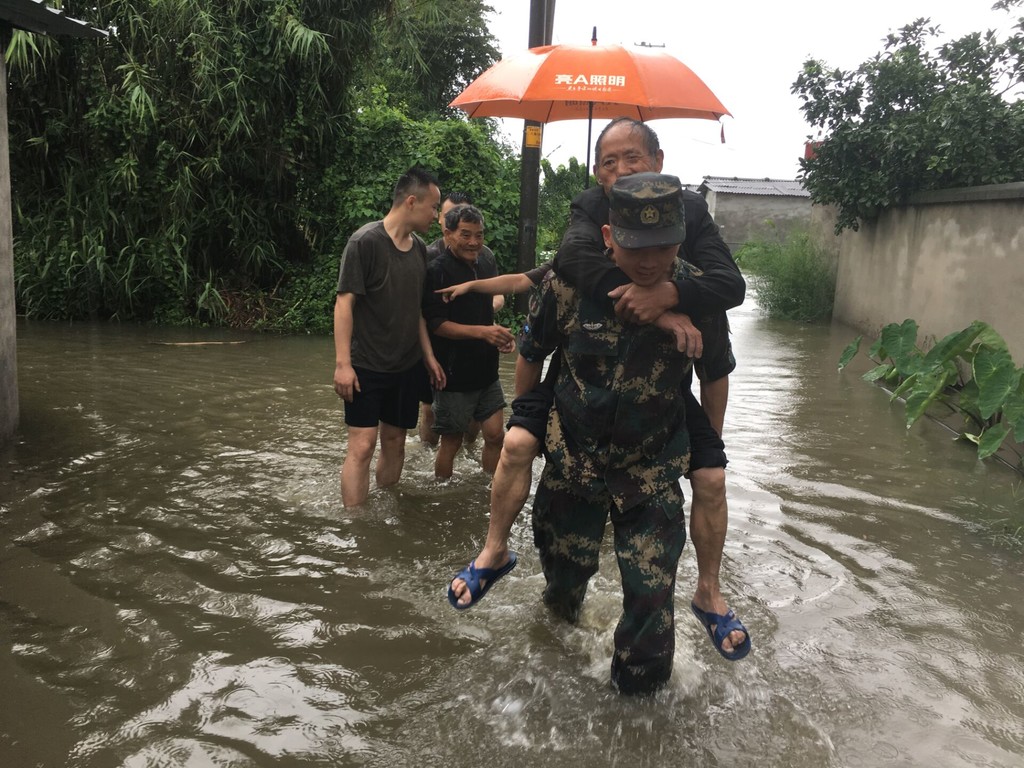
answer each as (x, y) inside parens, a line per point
(794, 279)
(990, 398)
(917, 116)
(210, 157)
(560, 185)
(380, 144)
(426, 53)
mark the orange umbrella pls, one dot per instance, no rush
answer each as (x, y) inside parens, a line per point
(563, 82)
(568, 82)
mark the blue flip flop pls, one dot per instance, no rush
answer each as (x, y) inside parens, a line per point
(473, 575)
(723, 626)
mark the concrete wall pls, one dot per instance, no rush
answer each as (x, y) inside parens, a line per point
(822, 228)
(8, 349)
(945, 260)
(743, 217)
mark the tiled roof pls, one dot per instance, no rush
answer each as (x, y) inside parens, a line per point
(37, 16)
(736, 186)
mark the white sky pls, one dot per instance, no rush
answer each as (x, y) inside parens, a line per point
(749, 53)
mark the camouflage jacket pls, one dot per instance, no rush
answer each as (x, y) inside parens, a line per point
(619, 421)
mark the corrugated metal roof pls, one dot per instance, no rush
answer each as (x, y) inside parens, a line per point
(36, 16)
(737, 186)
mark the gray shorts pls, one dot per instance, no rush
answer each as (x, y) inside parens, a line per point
(454, 410)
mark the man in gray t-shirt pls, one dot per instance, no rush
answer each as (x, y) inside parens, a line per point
(380, 339)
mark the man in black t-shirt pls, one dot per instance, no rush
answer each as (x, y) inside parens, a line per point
(466, 343)
(427, 434)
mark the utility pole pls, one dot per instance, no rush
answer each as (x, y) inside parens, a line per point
(8, 340)
(542, 14)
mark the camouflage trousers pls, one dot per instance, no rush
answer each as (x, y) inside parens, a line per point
(649, 539)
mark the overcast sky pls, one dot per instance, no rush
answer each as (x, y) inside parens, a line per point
(749, 53)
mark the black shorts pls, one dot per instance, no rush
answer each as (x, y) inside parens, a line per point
(706, 446)
(530, 410)
(717, 361)
(392, 398)
(426, 392)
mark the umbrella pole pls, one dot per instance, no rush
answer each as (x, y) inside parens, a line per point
(590, 122)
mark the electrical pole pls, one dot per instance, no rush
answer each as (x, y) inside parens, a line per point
(542, 13)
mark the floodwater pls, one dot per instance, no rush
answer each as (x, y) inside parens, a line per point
(181, 586)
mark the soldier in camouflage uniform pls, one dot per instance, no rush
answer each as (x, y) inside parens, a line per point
(616, 440)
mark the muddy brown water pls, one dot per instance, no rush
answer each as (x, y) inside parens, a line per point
(180, 585)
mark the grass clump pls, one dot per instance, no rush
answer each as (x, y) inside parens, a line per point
(794, 279)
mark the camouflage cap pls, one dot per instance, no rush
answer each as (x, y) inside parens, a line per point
(646, 209)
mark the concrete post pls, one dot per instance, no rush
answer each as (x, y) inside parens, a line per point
(541, 19)
(8, 345)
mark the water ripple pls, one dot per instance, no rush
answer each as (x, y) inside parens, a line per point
(180, 572)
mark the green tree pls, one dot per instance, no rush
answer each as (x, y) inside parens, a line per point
(428, 52)
(381, 142)
(915, 117)
(159, 164)
(176, 170)
(559, 186)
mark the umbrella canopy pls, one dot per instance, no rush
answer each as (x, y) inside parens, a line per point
(568, 82)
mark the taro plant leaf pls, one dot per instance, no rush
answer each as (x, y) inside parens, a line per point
(989, 336)
(991, 400)
(848, 354)
(996, 376)
(968, 402)
(934, 381)
(916, 404)
(1013, 408)
(990, 440)
(877, 350)
(928, 388)
(905, 386)
(900, 343)
(954, 345)
(878, 372)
